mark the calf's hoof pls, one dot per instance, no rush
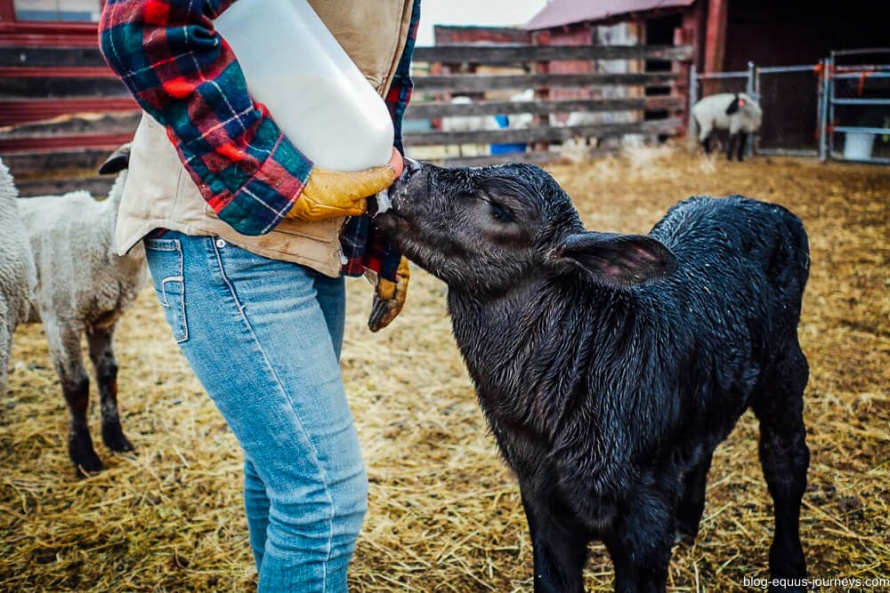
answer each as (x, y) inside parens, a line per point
(86, 464)
(684, 537)
(114, 439)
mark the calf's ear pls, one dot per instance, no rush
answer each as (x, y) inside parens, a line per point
(616, 260)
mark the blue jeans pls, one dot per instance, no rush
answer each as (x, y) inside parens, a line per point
(263, 337)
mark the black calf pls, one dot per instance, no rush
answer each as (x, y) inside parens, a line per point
(610, 366)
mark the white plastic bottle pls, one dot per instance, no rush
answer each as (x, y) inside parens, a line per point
(314, 91)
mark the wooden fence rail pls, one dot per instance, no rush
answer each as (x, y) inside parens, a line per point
(525, 54)
(480, 83)
(629, 102)
(544, 133)
(61, 107)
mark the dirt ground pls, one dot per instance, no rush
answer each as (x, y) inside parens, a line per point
(444, 511)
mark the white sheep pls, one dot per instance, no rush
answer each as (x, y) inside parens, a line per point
(83, 288)
(17, 275)
(578, 142)
(468, 123)
(736, 112)
(522, 121)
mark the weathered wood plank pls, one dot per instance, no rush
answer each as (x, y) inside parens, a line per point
(78, 123)
(60, 87)
(28, 144)
(30, 163)
(537, 157)
(21, 111)
(480, 83)
(79, 57)
(544, 134)
(521, 54)
(97, 186)
(454, 54)
(421, 110)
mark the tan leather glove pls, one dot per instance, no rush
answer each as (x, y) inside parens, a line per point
(389, 297)
(329, 194)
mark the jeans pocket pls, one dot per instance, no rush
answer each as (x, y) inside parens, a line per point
(165, 261)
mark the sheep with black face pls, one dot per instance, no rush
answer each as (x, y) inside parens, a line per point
(610, 366)
(737, 113)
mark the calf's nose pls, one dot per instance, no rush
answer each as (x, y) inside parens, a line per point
(411, 167)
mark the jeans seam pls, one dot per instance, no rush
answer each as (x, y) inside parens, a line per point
(279, 384)
(172, 245)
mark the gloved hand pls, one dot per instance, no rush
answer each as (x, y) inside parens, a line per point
(389, 297)
(329, 194)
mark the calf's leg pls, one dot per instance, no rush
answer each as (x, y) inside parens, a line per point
(785, 457)
(102, 355)
(640, 542)
(692, 501)
(559, 545)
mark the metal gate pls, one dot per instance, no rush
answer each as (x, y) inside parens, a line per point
(712, 83)
(837, 109)
(855, 122)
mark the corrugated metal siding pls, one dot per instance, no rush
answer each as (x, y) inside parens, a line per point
(559, 13)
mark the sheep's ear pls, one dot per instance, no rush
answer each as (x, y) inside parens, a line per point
(617, 260)
(734, 106)
(118, 161)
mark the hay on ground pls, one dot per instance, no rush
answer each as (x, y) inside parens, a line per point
(445, 513)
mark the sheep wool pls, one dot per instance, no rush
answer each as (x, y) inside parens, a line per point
(83, 289)
(17, 276)
(738, 113)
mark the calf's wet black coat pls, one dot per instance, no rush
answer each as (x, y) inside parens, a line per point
(610, 366)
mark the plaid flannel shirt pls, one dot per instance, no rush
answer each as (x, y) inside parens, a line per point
(181, 72)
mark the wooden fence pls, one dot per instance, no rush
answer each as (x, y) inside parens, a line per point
(61, 108)
(477, 71)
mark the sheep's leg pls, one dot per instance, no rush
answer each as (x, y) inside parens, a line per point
(692, 502)
(706, 144)
(743, 144)
(102, 355)
(64, 347)
(733, 138)
(704, 138)
(5, 349)
(640, 542)
(785, 457)
(559, 546)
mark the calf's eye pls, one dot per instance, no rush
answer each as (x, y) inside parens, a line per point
(501, 213)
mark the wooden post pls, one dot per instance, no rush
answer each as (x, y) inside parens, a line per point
(543, 93)
(715, 39)
(684, 36)
(7, 13)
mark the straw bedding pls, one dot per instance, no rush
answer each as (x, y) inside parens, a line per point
(444, 511)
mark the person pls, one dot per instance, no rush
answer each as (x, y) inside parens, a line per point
(247, 247)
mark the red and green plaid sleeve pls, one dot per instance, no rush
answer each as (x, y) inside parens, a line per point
(185, 75)
(182, 73)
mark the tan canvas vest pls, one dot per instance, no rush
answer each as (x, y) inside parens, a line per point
(161, 194)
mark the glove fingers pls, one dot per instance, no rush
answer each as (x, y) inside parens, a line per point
(385, 289)
(382, 313)
(308, 208)
(349, 186)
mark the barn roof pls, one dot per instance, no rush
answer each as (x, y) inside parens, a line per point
(566, 12)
